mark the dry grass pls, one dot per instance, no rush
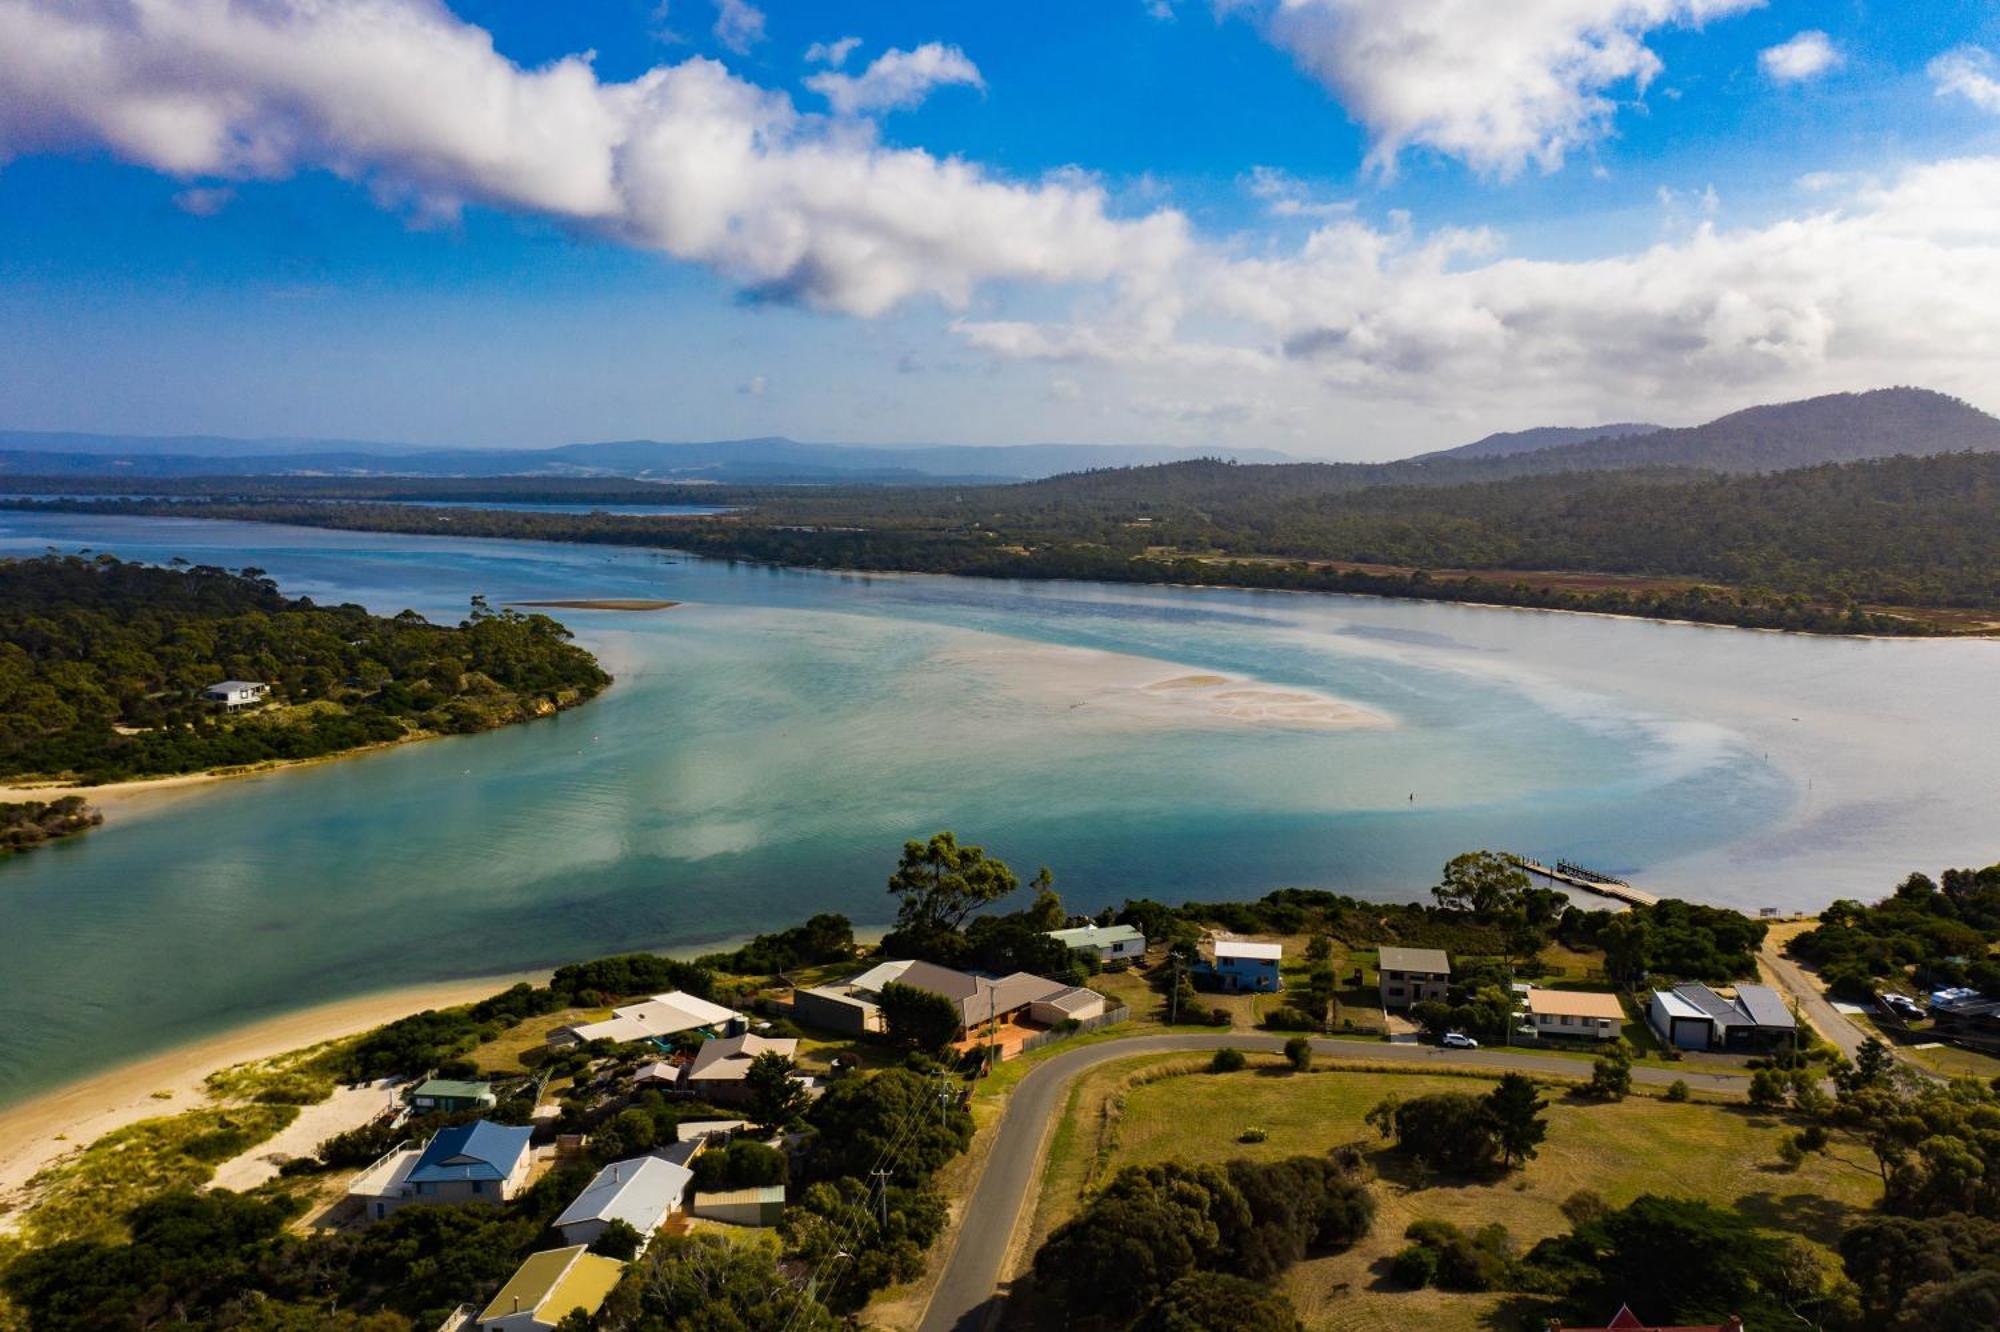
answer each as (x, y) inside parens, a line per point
(1721, 1154)
(504, 1053)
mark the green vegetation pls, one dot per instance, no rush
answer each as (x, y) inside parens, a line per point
(28, 823)
(102, 663)
(1926, 935)
(1461, 1134)
(827, 937)
(1811, 549)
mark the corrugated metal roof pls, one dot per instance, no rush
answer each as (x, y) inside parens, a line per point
(1763, 1006)
(479, 1150)
(1431, 960)
(1678, 1006)
(1097, 936)
(1257, 952)
(640, 1192)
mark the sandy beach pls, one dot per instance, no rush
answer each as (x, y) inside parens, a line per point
(38, 1131)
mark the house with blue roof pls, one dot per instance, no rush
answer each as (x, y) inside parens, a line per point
(476, 1162)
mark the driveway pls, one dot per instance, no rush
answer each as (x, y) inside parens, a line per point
(968, 1298)
(1827, 1020)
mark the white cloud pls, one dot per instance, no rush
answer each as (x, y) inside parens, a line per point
(1285, 195)
(739, 25)
(896, 80)
(1806, 56)
(204, 201)
(1499, 86)
(686, 159)
(1968, 72)
(833, 53)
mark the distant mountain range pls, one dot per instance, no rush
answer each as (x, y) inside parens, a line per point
(736, 461)
(1507, 443)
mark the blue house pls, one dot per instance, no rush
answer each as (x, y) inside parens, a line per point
(1248, 968)
(476, 1162)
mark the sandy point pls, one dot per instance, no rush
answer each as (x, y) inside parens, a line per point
(39, 1131)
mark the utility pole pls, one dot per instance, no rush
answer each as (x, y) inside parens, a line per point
(882, 1195)
(992, 1027)
(1174, 986)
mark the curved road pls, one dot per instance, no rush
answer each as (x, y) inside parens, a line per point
(967, 1298)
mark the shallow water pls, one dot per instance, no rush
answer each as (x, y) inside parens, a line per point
(770, 743)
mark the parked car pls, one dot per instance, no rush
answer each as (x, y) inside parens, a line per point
(1458, 1040)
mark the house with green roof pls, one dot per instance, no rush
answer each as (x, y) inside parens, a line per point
(450, 1096)
(549, 1287)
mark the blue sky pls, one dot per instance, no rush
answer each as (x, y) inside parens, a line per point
(1349, 228)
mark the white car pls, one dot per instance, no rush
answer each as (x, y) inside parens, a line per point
(1458, 1040)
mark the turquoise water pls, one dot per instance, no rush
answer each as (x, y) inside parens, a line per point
(771, 743)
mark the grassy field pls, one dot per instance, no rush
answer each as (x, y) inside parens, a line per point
(504, 1053)
(1724, 1154)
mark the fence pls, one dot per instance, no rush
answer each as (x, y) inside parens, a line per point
(1109, 1017)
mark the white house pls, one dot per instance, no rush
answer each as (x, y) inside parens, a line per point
(476, 1162)
(1106, 943)
(1577, 1014)
(642, 1192)
(235, 695)
(661, 1016)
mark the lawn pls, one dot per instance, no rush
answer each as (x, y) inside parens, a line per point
(504, 1053)
(1724, 1154)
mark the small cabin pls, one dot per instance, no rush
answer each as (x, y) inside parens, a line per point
(235, 695)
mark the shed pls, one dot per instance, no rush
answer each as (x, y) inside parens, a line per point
(742, 1207)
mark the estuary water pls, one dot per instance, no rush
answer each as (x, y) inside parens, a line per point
(771, 742)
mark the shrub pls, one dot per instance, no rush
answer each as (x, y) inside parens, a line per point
(1678, 1091)
(1299, 1052)
(1219, 1017)
(1288, 1018)
(1226, 1060)
(1415, 1266)
(1251, 1135)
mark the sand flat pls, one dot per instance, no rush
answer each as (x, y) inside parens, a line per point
(1122, 691)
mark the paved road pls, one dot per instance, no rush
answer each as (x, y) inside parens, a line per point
(967, 1298)
(1827, 1020)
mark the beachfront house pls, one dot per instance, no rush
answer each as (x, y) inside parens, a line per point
(1242, 967)
(1411, 976)
(476, 1162)
(235, 695)
(656, 1019)
(642, 1192)
(1575, 1015)
(550, 1286)
(1106, 943)
(1694, 1017)
(1000, 1012)
(451, 1096)
(721, 1067)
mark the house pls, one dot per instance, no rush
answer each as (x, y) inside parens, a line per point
(476, 1162)
(1241, 967)
(657, 1018)
(449, 1096)
(549, 1287)
(1627, 1321)
(642, 1193)
(1576, 1014)
(763, 1206)
(979, 999)
(1106, 943)
(1694, 1017)
(1411, 976)
(721, 1067)
(701, 1130)
(837, 1008)
(235, 695)
(1966, 1016)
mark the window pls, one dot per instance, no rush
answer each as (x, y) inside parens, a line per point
(479, 1186)
(1395, 992)
(1568, 1021)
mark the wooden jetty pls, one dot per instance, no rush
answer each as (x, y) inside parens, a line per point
(1623, 892)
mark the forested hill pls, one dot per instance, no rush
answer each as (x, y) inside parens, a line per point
(102, 663)
(1507, 443)
(1841, 427)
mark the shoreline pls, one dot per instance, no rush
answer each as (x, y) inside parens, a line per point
(46, 1126)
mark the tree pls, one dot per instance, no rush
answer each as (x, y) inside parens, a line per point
(619, 1239)
(705, 1283)
(1204, 1301)
(1046, 913)
(1150, 1226)
(1484, 884)
(1448, 1131)
(918, 1019)
(1611, 1074)
(861, 1119)
(1686, 1262)
(940, 883)
(1768, 1089)
(1515, 1110)
(777, 1098)
(1299, 1051)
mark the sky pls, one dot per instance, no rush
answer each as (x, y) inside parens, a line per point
(1338, 228)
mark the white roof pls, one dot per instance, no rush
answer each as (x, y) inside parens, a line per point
(1678, 1007)
(1094, 936)
(689, 1129)
(661, 1015)
(882, 973)
(1243, 948)
(234, 685)
(640, 1192)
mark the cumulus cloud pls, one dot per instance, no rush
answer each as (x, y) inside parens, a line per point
(686, 159)
(832, 53)
(1968, 72)
(1806, 56)
(739, 25)
(1498, 86)
(896, 80)
(1285, 195)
